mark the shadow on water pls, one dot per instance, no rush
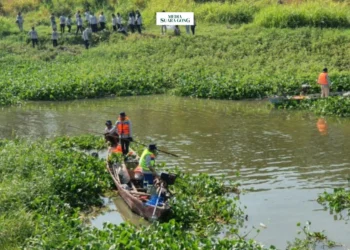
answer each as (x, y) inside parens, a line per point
(288, 158)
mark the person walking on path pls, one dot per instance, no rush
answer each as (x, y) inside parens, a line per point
(325, 83)
(54, 38)
(79, 25)
(34, 36)
(131, 22)
(85, 37)
(123, 126)
(19, 21)
(62, 23)
(69, 23)
(119, 21)
(102, 20)
(138, 21)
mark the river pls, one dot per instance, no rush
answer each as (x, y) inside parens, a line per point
(285, 159)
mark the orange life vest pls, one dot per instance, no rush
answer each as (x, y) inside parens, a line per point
(123, 127)
(322, 79)
(117, 149)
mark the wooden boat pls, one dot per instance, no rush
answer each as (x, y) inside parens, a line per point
(137, 199)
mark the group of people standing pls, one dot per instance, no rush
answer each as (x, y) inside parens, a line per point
(93, 24)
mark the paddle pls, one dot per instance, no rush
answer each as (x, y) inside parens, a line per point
(99, 133)
(154, 217)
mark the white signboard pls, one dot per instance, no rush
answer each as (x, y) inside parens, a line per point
(175, 18)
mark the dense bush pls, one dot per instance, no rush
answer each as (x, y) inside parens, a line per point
(226, 13)
(338, 106)
(310, 14)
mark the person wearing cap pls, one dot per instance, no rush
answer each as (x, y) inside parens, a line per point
(147, 160)
(123, 126)
(324, 81)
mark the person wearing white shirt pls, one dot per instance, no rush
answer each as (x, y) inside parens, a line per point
(93, 22)
(85, 37)
(69, 23)
(53, 21)
(119, 21)
(34, 36)
(102, 20)
(79, 25)
(131, 22)
(77, 15)
(114, 22)
(62, 23)
(19, 21)
(87, 16)
(138, 21)
(54, 38)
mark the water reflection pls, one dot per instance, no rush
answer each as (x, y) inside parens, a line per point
(322, 126)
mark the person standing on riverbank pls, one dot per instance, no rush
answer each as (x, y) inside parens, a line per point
(119, 21)
(87, 16)
(19, 21)
(34, 36)
(123, 126)
(114, 23)
(324, 81)
(163, 28)
(131, 22)
(54, 38)
(69, 23)
(93, 23)
(53, 21)
(62, 23)
(79, 25)
(138, 21)
(85, 37)
(102, 20)
(193, 27)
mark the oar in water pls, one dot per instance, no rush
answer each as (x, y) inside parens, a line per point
(99, 133)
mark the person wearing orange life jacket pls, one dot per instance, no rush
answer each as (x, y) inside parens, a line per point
(324, 81)
(147, 160)
(123, 126)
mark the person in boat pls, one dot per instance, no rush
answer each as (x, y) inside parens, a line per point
(123, 126)
(111, 134)
(147, 160)
(325, 83)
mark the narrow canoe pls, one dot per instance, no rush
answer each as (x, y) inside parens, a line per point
(136, 199)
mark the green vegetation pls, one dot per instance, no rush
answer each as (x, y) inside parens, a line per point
(311, 240)
(251, 59)
(338, 201)
(339, 106)
(46, 185)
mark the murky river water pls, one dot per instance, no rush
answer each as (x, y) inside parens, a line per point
(286, 157)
